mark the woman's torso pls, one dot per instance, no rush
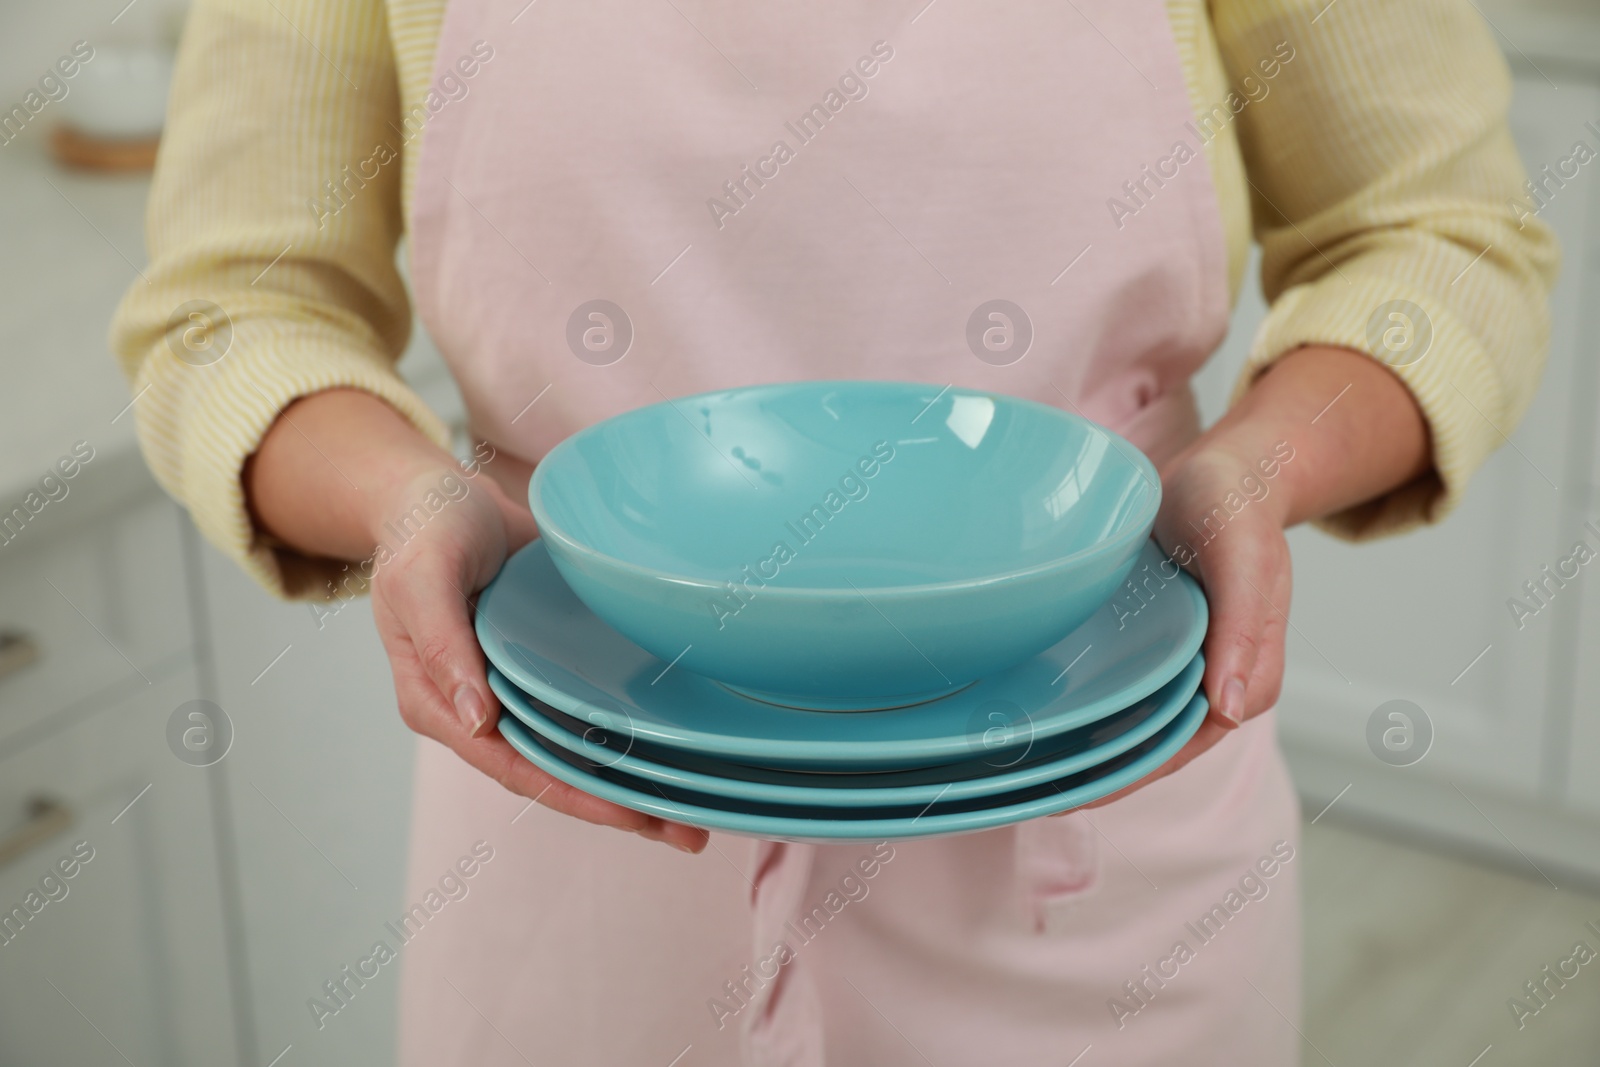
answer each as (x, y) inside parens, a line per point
(621, 206)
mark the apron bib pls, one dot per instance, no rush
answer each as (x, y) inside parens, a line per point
(622, 209)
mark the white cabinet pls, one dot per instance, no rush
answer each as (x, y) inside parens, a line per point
(1581, 627)
(99, 599)
(1423, 617)
(126, 958)
(224, 897)
(320, 788)
(1583, 769)
(136, 944)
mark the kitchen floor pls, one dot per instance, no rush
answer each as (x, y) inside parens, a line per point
(1411, 958)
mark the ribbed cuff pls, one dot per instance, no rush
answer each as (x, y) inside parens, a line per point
(205, 421)
(1452, 381)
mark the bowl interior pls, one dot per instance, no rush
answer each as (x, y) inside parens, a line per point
(872, 484)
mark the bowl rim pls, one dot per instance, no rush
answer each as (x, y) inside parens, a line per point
(1131, 537)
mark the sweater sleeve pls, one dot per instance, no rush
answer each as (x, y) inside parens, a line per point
(1383, 178)
(272, 227)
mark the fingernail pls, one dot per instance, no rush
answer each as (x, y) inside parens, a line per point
(681, 847)
(471, 709)
(1233, 701)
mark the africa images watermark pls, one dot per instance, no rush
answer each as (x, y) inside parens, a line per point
(999, 332)
(739, 993)
(453, 885)
(53, 888)
(1253, 886)
(1550, 980)
(1542, 189)
(1399, 732)
(1252, 490)
(199, 732)
(1540, 591)
(805, 528)
(740, 190)
(53, 87)
(452, 86)
(52, 488)
(1142, 189)
(1141, 587)
(451, 489)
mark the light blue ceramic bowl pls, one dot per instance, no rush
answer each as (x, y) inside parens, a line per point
(845, 545)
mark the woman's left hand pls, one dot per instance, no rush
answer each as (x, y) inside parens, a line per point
(1245, 570)
(1321, 430)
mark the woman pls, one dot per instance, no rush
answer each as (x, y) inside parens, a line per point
(836, 190)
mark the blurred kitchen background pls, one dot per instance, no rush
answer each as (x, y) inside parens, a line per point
(1442, 871)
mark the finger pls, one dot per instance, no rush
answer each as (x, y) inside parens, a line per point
(1209, 734)
(425, 711)
(428, 599)
(420, 687)
(494, 756)
(1245, 633)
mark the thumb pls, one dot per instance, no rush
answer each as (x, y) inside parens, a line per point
(1247, 589)
(430, 600)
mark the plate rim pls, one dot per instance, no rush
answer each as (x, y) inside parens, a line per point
(515, 703)
(792, 751)
(1178, 733)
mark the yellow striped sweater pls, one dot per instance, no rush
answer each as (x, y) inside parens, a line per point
(1380, 167)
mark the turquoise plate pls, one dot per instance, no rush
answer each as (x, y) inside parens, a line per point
(543, 639)
(1001, 768)
(799, 823)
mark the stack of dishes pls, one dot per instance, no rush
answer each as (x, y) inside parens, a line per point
(825, 611)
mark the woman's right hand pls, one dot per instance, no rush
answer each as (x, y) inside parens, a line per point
(422, 601)
(330, 476)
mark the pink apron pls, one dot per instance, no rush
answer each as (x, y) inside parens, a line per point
(637, 201)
